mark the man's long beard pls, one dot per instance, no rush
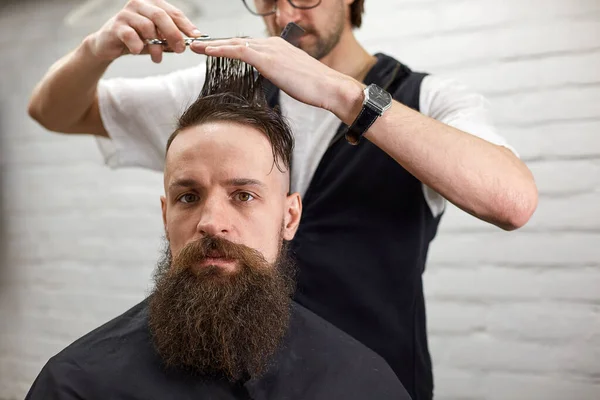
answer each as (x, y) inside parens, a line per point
(213, 322)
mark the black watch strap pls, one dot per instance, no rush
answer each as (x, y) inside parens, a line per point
(361, 124)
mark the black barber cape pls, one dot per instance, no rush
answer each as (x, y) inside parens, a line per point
(117, 361)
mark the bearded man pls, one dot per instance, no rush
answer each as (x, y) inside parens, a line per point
(220, 322)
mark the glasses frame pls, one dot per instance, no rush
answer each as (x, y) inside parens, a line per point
(275, 7)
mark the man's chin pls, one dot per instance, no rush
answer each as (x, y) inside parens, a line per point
(313, 48)
(307, 43)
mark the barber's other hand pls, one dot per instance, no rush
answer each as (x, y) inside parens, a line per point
(292, 70)
(139, 20)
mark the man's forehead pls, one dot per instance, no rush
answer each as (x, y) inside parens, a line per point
(220, 139)
(223, 150)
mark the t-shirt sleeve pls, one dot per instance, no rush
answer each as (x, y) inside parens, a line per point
(139, 115)
(454, 104)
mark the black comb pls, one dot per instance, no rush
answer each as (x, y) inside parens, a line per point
(292, 33)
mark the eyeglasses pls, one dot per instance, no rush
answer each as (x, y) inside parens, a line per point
(269, 7)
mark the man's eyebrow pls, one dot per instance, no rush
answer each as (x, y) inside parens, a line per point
(245, 182)
(183, 183)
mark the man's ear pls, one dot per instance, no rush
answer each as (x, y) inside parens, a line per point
(163, 206)
(293, 213)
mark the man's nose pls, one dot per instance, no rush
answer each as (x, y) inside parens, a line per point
(214, 220)
(286, 13)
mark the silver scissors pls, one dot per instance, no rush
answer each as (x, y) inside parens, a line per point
(189, 41)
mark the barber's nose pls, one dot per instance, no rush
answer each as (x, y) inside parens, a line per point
(286, 13)
(213, 219)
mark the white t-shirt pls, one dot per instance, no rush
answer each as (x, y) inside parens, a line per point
(141, 113)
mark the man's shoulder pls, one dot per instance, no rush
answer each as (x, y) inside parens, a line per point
(123, 328)
(99, 350)
(324, 340)
(345, 364)
(96, 359)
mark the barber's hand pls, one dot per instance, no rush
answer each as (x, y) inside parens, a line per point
(293, 71)
(138, 21)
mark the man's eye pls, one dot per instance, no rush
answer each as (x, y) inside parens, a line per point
(244, 197)
(188, 198)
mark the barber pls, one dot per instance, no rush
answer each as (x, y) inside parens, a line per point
(379, 150)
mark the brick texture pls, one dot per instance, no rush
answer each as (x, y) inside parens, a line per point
(511, 315)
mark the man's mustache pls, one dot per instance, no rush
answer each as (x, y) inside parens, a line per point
(216, 247)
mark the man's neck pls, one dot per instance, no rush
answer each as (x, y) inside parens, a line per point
(349, 57)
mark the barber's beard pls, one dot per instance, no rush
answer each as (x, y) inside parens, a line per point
(214, 322)
(326, 43)
(323, 43)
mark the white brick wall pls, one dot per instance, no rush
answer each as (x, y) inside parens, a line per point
(511, 315)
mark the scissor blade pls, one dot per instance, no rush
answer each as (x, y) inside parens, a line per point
(189, 41)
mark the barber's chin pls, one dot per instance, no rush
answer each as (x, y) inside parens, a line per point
(227, 265)
(305, 39)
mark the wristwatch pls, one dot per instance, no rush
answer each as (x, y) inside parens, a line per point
(375, 103)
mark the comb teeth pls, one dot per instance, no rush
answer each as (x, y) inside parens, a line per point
(226, 75)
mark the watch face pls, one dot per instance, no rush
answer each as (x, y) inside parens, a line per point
(379, 97)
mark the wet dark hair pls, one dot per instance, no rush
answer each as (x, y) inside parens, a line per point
(356, 11)
(232, 92)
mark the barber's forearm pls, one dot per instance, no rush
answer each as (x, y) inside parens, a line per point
(63, 100)
(483, 179)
